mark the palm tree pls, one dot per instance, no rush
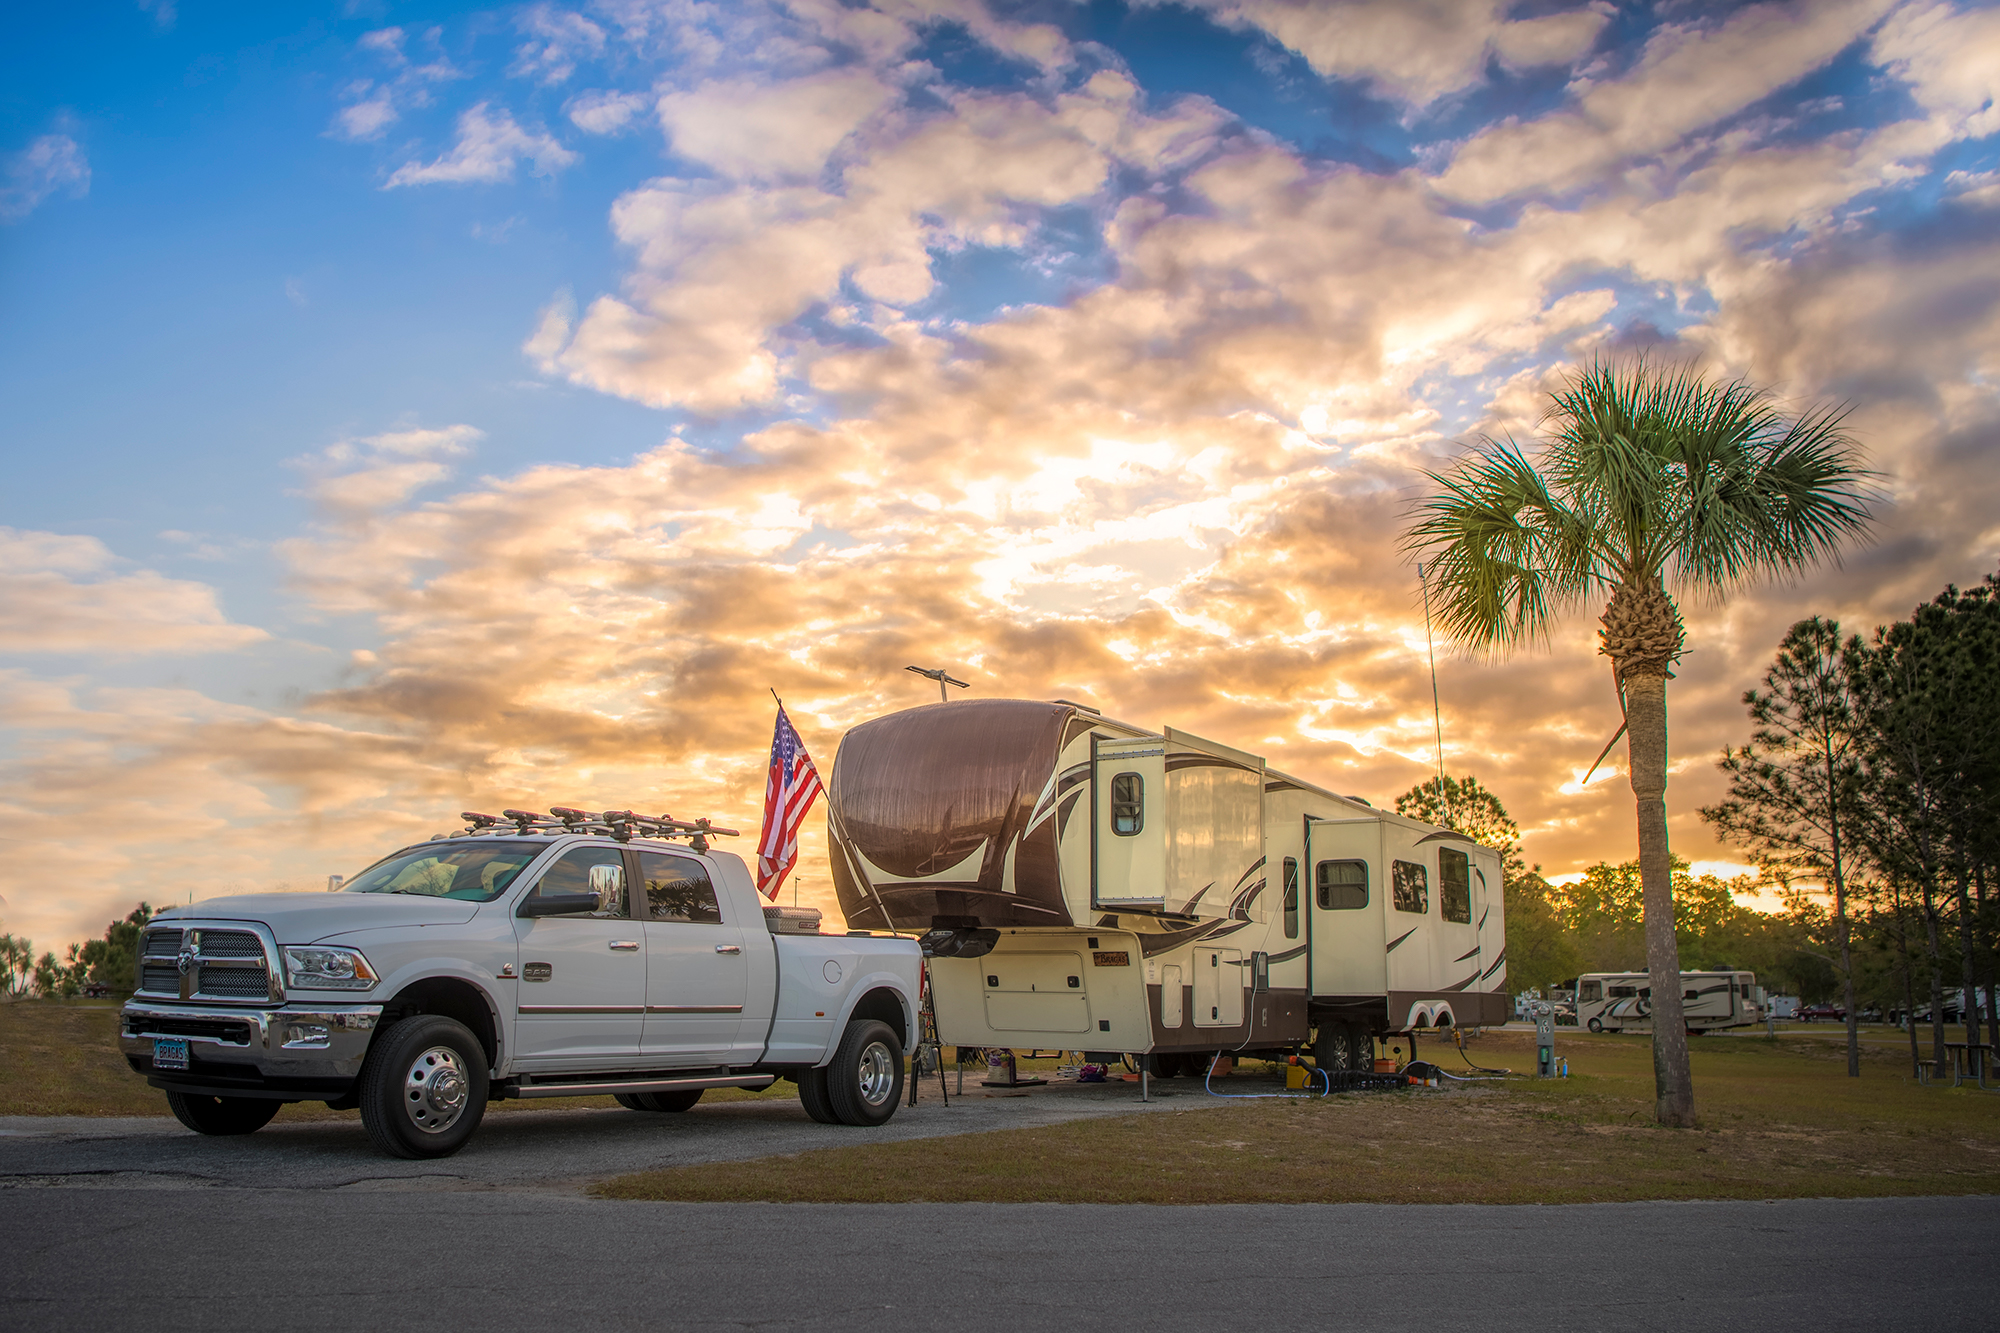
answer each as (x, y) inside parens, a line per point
(1643, 476)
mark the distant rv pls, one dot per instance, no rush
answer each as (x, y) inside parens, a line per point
(1087, 884)
(1623, 1001)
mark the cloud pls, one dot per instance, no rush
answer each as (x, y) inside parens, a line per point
(1951, 61)
(723, 266)
(57, 595)
(1415, 51)
(356, 478)
(54, 162)
(488, 149)
(605, 112)
(557, 40)
(1689, 77)
(368, 117)
(372, 107)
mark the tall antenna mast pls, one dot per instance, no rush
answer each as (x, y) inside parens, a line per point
(1437, 714)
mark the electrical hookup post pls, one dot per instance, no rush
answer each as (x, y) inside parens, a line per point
(1545, 1038)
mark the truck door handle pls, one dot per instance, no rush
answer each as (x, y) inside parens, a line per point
(729, 948)
(625, 946)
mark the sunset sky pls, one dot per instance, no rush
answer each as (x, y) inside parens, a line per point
(408, 409)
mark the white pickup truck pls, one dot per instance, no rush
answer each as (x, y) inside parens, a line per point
(582, 955)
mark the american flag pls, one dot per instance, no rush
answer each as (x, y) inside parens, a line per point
(788, 793)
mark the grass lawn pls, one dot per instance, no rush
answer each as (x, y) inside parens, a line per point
(1779, 1120)
(60, 1057)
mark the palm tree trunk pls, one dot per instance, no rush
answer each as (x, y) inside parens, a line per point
(1646, 750)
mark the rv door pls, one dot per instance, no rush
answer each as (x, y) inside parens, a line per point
(1128, 864)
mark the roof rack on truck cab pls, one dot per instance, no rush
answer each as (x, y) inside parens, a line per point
(620, 824)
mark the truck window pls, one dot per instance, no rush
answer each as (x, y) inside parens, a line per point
(1291, 898)
(678, 889)
(1128, 804)
(1590, 992)
(1341, 886)
(1412, 891)
(598, 870)
(1454, 886)
(475, 872)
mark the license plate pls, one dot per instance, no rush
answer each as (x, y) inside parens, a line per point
(170, 1053)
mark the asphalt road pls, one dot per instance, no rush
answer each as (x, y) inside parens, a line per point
(115, 1259)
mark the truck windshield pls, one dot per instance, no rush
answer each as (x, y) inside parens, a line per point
(474, 871)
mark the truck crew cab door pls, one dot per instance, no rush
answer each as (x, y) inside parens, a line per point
(697, 976)
(581, 997)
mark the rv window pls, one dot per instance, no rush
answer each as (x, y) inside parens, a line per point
(1291, 898)
(1455, 886)
(1128, 804)
(1623, 992)
(1412, 891)
(1341, 886)
(1590, 992)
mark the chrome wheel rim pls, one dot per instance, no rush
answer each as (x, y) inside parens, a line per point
(435, 1090)
(877, 1075)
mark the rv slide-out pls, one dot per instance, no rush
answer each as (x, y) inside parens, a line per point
(1095, 886)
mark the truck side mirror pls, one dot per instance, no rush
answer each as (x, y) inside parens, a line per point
(557, 904)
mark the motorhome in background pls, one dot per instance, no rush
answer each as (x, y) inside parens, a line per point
(1622, 1001)
(1092, 885)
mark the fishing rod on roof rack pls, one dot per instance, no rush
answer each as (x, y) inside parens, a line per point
(622, 825)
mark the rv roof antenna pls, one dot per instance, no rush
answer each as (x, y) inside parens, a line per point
(1437, 715)
(937, 674)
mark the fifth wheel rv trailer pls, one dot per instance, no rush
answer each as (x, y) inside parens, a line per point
(1623, 1001)
(1088, 884)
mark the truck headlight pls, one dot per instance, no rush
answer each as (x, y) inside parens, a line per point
(316, 968)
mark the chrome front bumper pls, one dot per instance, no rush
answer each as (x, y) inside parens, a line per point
(304, 1042)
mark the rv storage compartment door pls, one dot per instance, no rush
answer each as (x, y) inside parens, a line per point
(1171, 1004)
(1128, 789)
(1035, 992)
(1218, 988)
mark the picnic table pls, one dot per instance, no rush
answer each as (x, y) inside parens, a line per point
(1971, 1062)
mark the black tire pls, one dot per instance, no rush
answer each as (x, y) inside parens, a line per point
(222, 1115)
(1596, 1025)
(864, 1081)
(1361, 1048)
(812, 1096)
(423, 1087)
(628, 1100)
(1333, 1048)
(681, 1099)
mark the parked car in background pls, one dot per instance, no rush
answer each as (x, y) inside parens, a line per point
(1810, 1013)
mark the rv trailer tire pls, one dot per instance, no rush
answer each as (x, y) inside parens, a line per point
(1334, 1047)
(1361, 1048)
(1596, 1025)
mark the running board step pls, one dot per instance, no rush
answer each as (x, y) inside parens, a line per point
(754, 1082)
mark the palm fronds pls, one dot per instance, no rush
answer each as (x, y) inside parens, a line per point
(1642, 474)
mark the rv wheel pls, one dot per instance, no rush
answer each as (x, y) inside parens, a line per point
(1363, 1050)
(1333, 1048)
(1596, 1025)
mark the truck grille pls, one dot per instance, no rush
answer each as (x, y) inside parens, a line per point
(235, 1033)
(226, 964)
